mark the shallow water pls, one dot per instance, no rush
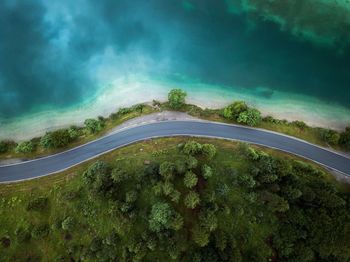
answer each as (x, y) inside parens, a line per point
(68, 61)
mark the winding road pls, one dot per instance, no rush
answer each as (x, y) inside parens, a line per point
(65, 160)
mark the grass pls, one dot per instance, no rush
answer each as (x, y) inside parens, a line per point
(136, 154)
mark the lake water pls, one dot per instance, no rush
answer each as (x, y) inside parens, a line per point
(62, 62)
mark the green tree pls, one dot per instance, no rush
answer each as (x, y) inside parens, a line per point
(5, 146)
(190, 179)
(166, 170)
(56, 139)
(68, 224)
(251, 117)
(175, 196)
(192, 148)
(131, 196)
(345, 138)
(168, 188)
(192, 200)
(233, 111)
(40, 231)
(191, 162)
(208, 220)
(200, 236)
(93, 125)
(25, 147)
(180, 167)
(74, 133)
(209, 150)
(177, 222)
(246, 180)
(160, 217)
(330, 136)
(118, 175)
(207, 171)
(176, 98)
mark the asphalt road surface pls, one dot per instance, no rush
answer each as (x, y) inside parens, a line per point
(62, 161)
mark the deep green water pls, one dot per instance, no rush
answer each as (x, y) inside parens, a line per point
(58, 54)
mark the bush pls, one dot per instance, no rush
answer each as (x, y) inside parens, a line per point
(345, 138)
(207, 171)
(234, 110)
(38, 204)
(192, 200)
(192, 148)
(160, 217)
(74, 132)
(200, 236)
(93, 125)
(166, 170)
(209, 150)
(330, 136)
(251, 117)
(5, 146)
(25, 147)
(68, 224)
(22, 234)
(190, 179)
(299, 124)
(40, 231)
(191, 162)
(176, 98)
(56, 139)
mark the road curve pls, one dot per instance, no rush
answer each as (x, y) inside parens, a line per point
(62, 161)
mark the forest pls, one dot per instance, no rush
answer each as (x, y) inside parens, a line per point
(183, 200)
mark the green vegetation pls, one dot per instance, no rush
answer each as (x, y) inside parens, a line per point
(176, 98)
(25, 147)
(239, 203)
(62, 139)
(237, 112)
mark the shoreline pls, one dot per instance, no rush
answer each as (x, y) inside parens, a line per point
(280, 105)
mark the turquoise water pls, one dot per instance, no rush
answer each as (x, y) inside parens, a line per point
(60, 57)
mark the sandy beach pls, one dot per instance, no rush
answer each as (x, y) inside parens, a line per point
(126, 93)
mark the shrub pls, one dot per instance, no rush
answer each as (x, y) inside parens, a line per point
(209, 150)
(330, 136)
(56, 139)
(22, 234)
(131, 196)
(200, 236)
(176, 98)
(190, 179)
(191, 162)
(74, 132)
(192, 200)
(251, 117)
(5, 146)
(180, 167)
(68, 224)
(166, 170)
(38, 204)
(345, 138)
(192, 148)
(299, 124)
(93, 125)
(234, 110)
(160, 217)
(40, 231)
(25, 147)
(207, 171)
